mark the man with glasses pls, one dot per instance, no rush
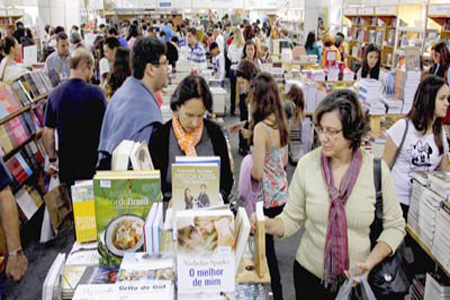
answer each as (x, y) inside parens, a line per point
(133, 111)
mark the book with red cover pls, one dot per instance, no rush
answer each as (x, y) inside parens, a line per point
(8, 103)
(19, 168)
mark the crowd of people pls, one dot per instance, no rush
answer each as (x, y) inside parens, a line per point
(112, 92)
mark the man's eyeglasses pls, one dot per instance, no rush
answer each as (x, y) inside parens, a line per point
(329, 132)
(157, 64)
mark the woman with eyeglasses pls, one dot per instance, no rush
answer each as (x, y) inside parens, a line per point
(189, 133)
(332, 196)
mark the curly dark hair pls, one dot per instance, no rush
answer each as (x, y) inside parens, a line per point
(422, 111)
(355, 123)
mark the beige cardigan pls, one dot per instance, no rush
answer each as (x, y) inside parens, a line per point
(308, 205)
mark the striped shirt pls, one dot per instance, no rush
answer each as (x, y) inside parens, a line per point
(197, 54)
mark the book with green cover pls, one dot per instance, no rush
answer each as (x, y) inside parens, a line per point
(122, 203)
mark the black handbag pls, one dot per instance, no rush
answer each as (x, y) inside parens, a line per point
(388, 279)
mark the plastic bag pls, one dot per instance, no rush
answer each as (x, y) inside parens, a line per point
(47, 233)
(347, 291)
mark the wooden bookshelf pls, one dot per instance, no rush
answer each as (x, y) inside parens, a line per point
(24, 109)
(439, 15)
(372, 25)
(425, 248)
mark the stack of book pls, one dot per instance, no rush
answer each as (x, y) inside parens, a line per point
(428, 209)
(417, 193)
(436, 287)
(310, 92)
(369, 94)
(153, 228)
(348, 75)
(406, 84)
(440, 183)
(417, 291)
(219, 94)
(441, 240)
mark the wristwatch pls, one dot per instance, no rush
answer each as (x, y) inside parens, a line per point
(16, 252)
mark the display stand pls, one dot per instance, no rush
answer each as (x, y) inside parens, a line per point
(256, 270)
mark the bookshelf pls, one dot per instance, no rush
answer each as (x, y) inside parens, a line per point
(439, 20)
(371, 25)
(8, 19)
(22, 104)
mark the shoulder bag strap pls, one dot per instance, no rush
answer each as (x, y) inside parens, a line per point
(4, 69)
(377, 225)
(397, 153)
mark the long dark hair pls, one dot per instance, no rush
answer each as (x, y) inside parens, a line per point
(266, 100)
(310, 40)
(375, 72)
(132, 32)
(422, 111)
(444, 54)
(244, 51)
(120, 69)
(248, 32)
(7, 44)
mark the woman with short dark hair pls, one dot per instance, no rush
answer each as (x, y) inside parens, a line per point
(9, 47)
(332, 195)
(189, 133)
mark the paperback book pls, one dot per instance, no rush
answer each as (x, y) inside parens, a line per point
(195, 183)
(84, 211)
(122, 203)
(205, 252)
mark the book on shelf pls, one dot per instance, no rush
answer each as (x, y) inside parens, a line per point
(380, 37)
(205, 252)
(8, 103)
(122, 203)
(147, 267)
(412, 59)
(84, 211)
(195, 182)
(19, 169)
(372, 37)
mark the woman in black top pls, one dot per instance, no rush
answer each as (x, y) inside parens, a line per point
(191, 100)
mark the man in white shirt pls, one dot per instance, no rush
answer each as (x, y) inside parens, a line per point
(218, 60)
(219, 38)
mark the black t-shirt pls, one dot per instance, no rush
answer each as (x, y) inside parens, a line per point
(5, 177)
(76, 109)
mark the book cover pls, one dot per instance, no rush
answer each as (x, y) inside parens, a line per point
(122, 203)
(205, 252)
(242, 232)
(7, 101)
(147, 267)
(412, 59)
(84, 211)
(195, 185)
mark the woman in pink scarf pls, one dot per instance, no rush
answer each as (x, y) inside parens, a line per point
(332, 196)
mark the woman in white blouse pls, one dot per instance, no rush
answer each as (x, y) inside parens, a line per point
(9, 48)
(234, 55)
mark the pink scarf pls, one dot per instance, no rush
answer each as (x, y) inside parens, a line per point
(336, 245)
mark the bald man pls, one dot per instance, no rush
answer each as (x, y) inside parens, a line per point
(75, 109)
